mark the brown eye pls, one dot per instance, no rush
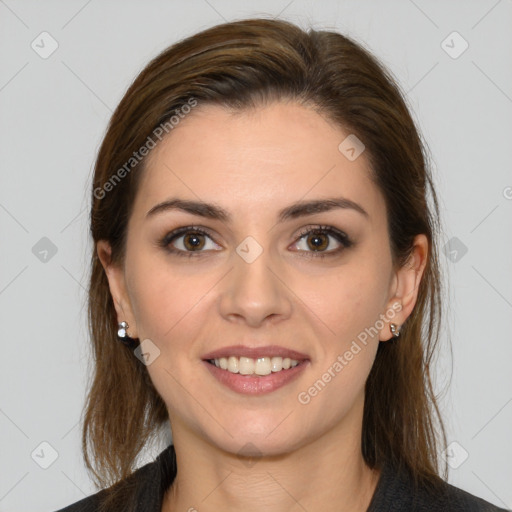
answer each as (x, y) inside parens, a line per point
(318, 241)
(188, 241)
(193, 241)
(315, 241)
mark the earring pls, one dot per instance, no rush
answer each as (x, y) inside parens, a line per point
(395, 330)
(123, 337)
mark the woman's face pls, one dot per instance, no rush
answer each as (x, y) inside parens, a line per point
(250, 287)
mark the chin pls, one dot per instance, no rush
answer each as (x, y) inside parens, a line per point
(257, 435)
(254, 447)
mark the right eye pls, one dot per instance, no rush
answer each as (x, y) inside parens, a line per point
(187, 241)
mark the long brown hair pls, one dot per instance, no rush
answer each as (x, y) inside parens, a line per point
(241, 65)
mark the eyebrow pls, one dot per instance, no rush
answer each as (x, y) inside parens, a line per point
(294, 211)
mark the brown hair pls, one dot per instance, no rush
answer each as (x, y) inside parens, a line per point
(242, 65)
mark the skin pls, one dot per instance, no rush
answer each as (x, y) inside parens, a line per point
(254, 163)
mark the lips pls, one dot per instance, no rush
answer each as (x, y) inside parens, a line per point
(255, 352)
(256, 384)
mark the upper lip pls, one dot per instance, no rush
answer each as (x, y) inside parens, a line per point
(255, 352)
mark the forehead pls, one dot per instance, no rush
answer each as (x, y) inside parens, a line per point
(259, 159)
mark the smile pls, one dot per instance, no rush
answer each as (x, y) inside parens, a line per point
(253, 383)
(260, 366)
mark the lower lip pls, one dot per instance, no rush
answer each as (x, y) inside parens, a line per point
(250, 385)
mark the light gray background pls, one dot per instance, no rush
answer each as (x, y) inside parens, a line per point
(54, 112)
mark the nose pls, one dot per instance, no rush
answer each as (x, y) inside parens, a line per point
(255, 293)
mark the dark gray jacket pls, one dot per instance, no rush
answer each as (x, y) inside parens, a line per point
(394, 493)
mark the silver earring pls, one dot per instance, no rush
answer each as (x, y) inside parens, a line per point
(122, 335)
(395, 330)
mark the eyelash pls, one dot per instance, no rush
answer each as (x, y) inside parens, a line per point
(340, 236)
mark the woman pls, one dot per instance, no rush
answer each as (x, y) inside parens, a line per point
(265, 280)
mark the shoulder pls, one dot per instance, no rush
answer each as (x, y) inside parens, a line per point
(397, 492)
(454, 499)
(145, 488)
(89, 504)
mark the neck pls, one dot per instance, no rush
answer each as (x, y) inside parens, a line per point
(328, 474)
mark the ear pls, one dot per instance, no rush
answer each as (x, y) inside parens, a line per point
(117, 284)
(405, 286)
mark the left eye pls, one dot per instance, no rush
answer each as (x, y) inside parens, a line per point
(318, 240)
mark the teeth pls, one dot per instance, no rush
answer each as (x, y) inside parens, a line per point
(263, 366)
(259, 366)
(233, 364)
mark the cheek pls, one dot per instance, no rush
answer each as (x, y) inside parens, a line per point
(163, 300)
(171, 309)
(348, 301)
(349, 305)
